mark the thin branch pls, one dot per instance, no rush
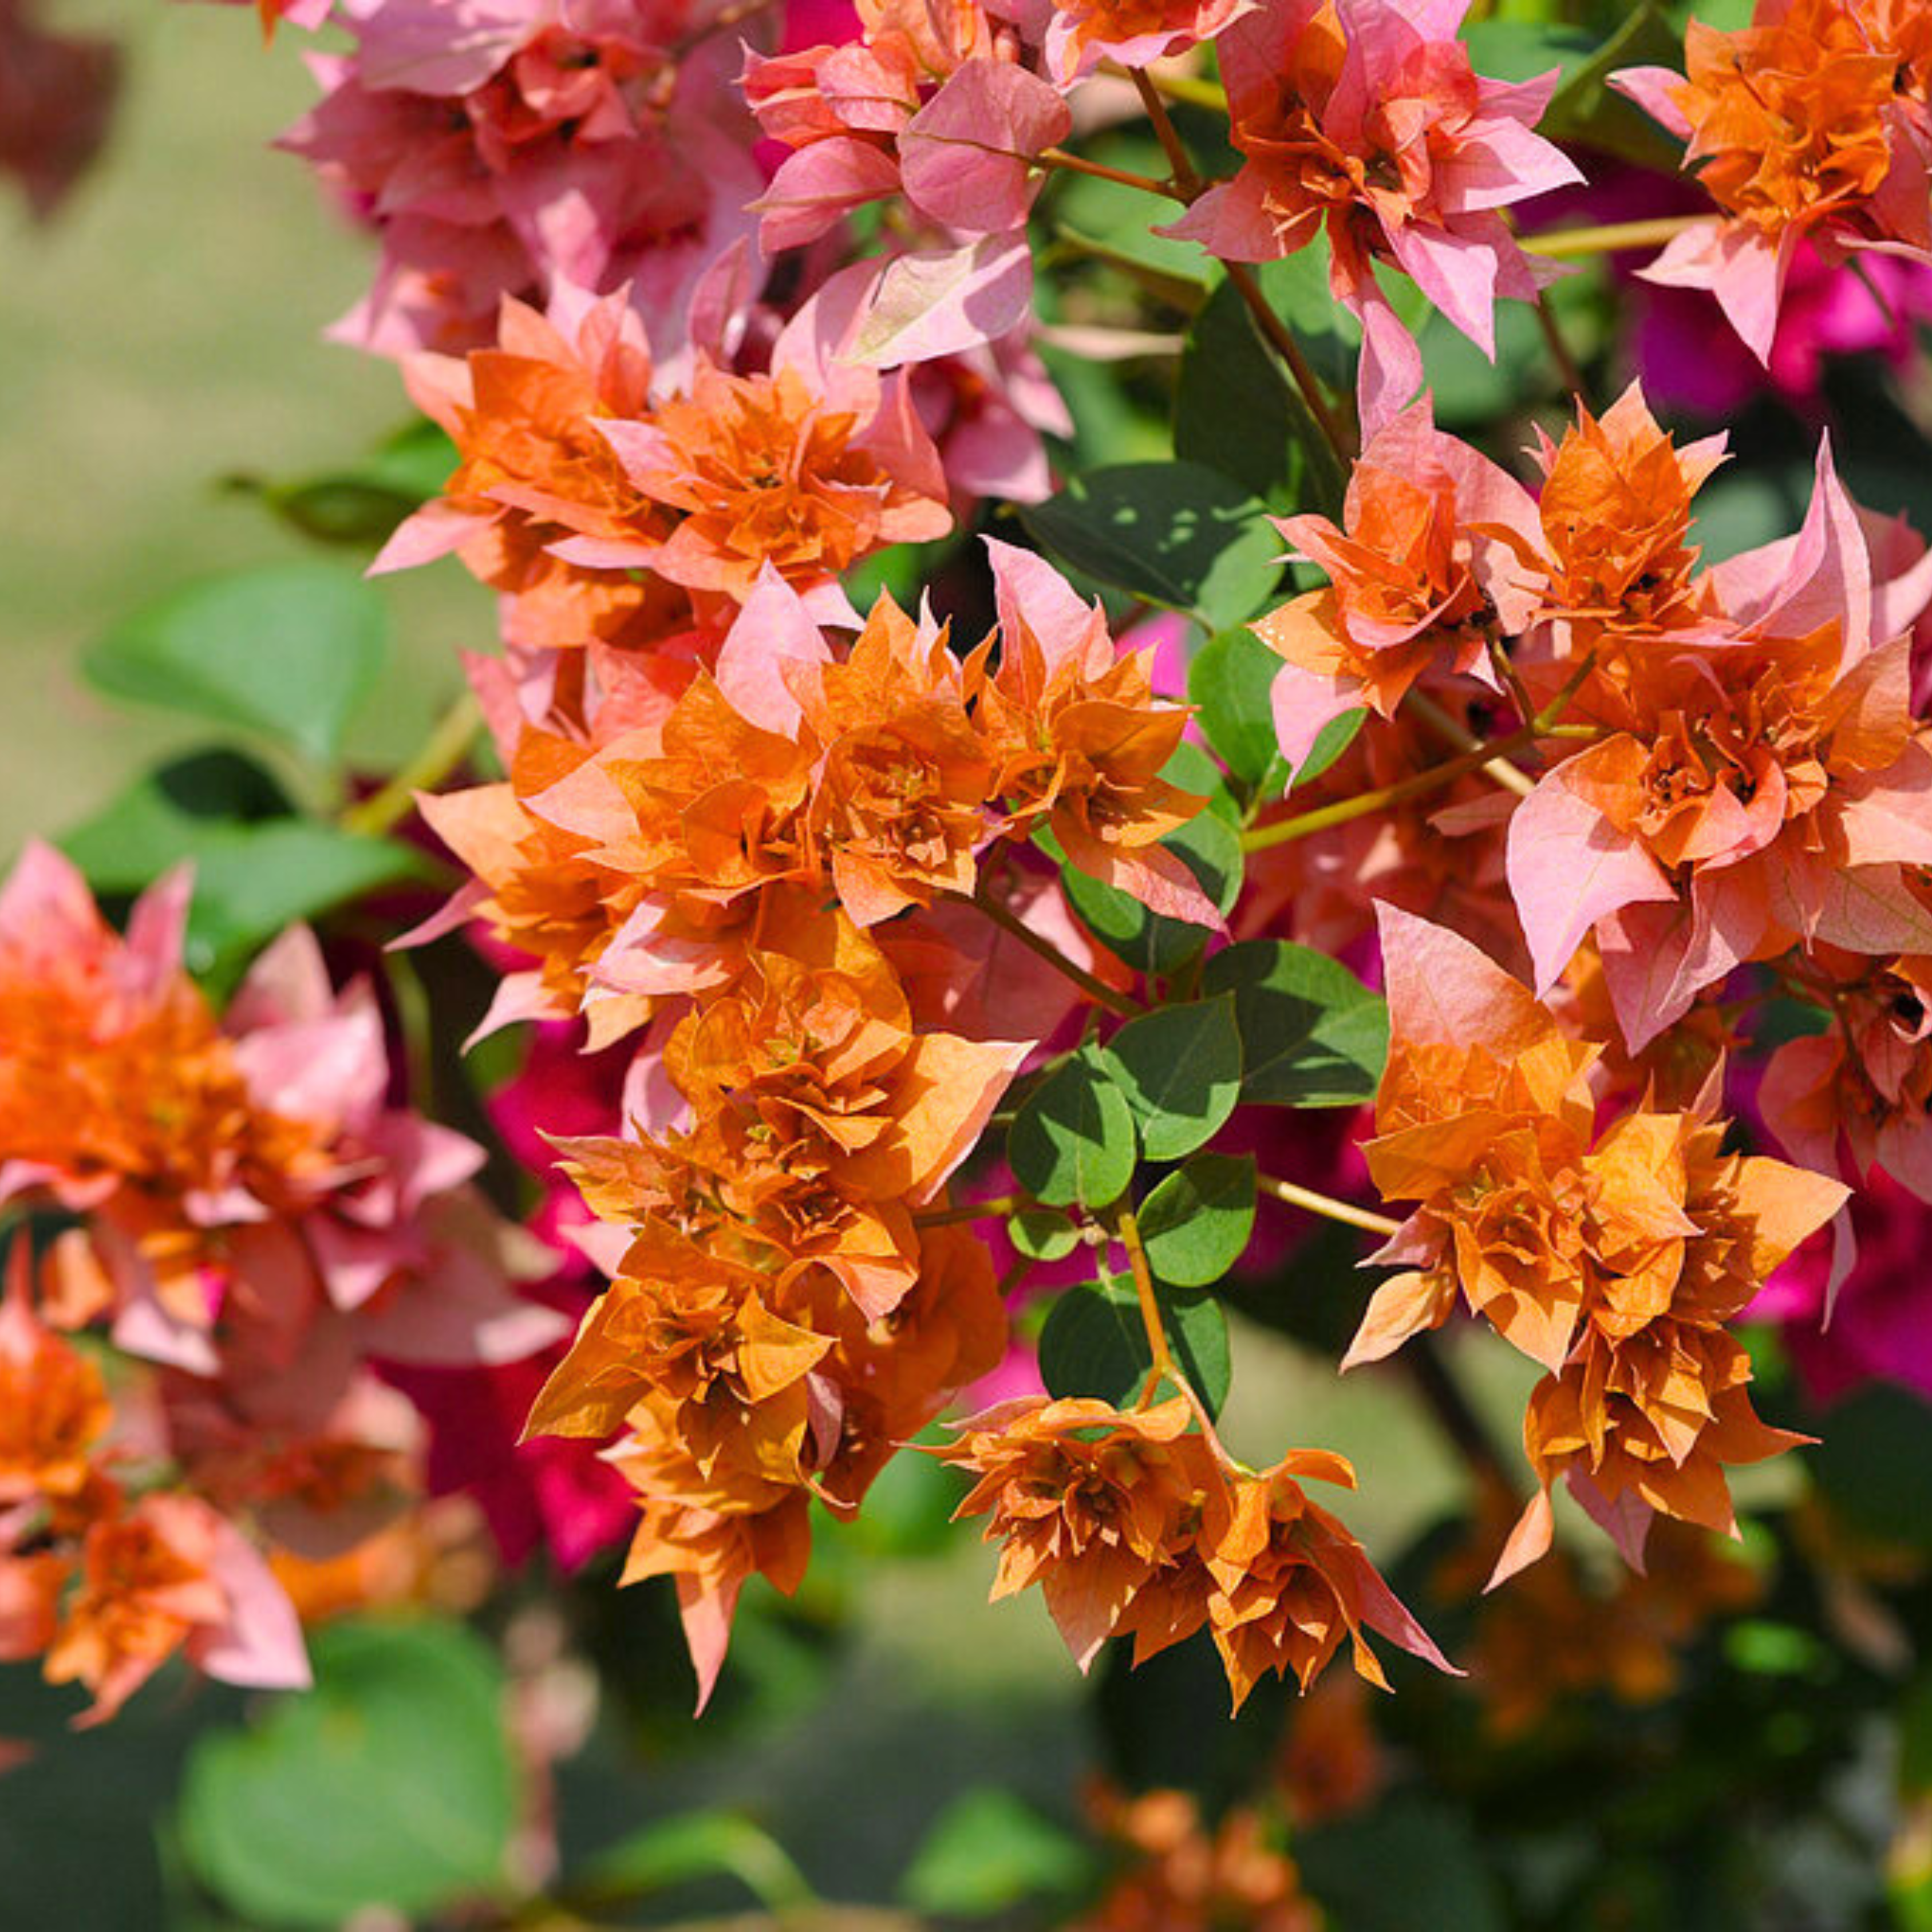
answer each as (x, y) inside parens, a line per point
(1189, 89)
(1461, 738)
(1126, 1232)
(1565, 244)
(996, 1209)
(1009, 922)
(1079, 164)
(1568, 368)
(1186, 184)
(1326, 1206)
(441, 753)
(1282, 341)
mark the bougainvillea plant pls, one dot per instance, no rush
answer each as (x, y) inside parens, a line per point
(1085, 592)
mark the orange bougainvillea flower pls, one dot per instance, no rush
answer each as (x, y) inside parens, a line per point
(1614, 513)
(1192, 1878)
(169, 1575)
(1613, 1257)
(1290, 1583)
(712, 1535)
(54, 1407)
(821, 1118)
(1762, 784)
(1810, 122)
(806, 469)
(1425, 574)
(535, 470)
(900, 806)
(731, 1424)
(1080, 740)
(577, 471)
(695, 1331)
(537, 889)
(1091, 1504)
(1132, 1525)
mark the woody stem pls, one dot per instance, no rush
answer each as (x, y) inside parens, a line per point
(1439, 722)
(1326, 1206)
(1180, 168)
(1560, 353)
(1126, 1232)
(1564, 245)
(443, 751)
(1079, 164)
(1186, 88)
(1009, 922)
(1343, 812)
(1282, 340)
(1285, 831)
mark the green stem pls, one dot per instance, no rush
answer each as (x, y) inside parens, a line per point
(441, 753)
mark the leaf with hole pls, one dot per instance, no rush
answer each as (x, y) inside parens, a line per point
(1312, 1034)
(1196, 1224)
(1180, 1069)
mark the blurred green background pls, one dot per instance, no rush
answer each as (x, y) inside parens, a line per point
(162, 332)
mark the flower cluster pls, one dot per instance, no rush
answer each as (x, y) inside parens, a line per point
(1812, 124)
(713, 327)
(1613, 1257)
(247, 1224)
(1133, 1525)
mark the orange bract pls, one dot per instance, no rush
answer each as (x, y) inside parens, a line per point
(765, 470)
(1612, 1257)
(1789, 117)
(1616, 513)
(1132, 1525)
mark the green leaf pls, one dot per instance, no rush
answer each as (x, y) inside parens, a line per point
(1585, 110)
(698, 1845)
(1148, 942)
(1074, 1140)
(362, 504)
(1231, 679)
(1042, 1234)
(288, 652)
(1331, 742)
(1312, 1034)
(989, 1851)
(1372, 1872)
(1235, 410)
(1298, 291)
(1180, 1068)
(257, 868)
(1095, 1343)
(1177, 534)
(1196, 1223)
(391, 1783)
